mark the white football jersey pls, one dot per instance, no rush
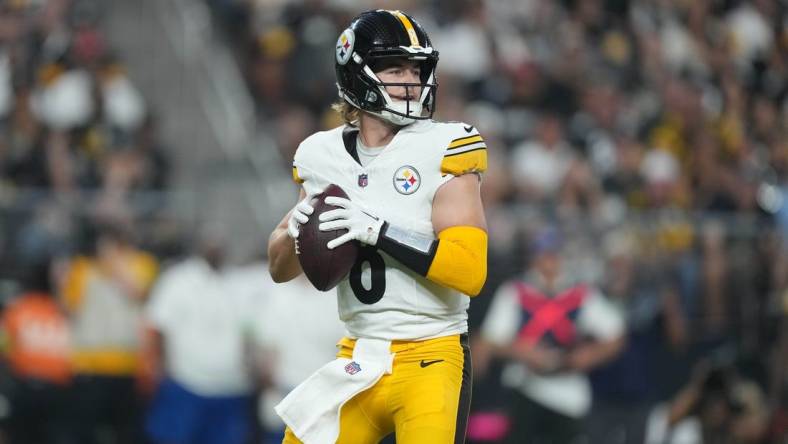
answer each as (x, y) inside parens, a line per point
(381, 298)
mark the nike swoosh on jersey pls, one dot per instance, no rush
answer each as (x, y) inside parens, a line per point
(468, 128)
(424, 363)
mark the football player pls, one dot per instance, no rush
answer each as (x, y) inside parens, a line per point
(415, 207)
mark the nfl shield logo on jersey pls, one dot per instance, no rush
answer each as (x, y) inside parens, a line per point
(407, 180)
(352, 368)
(363, 180)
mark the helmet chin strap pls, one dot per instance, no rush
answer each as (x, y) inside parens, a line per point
(401, 107)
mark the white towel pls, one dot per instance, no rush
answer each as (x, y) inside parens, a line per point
(311, 410)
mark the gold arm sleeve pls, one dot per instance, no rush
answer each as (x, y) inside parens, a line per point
(461, 259)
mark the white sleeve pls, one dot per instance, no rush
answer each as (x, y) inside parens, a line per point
(599, 318)
(252, 284)
(273, 315)
(503, 317)
(265, 328)
(161, 309)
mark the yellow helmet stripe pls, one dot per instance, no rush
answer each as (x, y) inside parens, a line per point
(414, 39)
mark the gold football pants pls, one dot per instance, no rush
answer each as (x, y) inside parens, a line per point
(424, 400)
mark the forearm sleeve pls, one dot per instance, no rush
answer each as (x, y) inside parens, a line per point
(461, 259)
(457, 259)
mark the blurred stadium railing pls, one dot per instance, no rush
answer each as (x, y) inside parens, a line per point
(188, 73)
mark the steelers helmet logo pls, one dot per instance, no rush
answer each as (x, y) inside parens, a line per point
(407, 180)
(345, 44)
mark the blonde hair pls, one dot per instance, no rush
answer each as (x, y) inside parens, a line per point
(349, 113)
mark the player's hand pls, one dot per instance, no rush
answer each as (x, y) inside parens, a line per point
(360, 224)
(299, 215)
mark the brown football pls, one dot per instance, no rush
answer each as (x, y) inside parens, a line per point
(323, 267)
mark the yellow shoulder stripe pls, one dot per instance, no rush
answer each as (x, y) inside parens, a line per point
(465, 141)
(471, 161)
(296, 178)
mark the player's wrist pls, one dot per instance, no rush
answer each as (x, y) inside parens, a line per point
(414, 250)
(373, 231)
(383, 228)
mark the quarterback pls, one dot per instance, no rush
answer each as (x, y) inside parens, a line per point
(415, 207)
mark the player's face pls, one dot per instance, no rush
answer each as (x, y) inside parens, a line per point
(402, 71)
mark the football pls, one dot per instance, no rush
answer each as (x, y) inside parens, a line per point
(323, 267)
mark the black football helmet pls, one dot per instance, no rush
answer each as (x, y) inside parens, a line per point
(373, 39)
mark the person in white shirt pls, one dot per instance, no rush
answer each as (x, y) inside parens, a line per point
(552, 330)
(199, 337)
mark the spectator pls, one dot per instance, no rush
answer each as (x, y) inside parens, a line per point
(542, 164)
(123, 106)
(36, 349)
(626, 388)
(548, 171)
(716, 406)
(104, 293)
(553, 330)
(197, 343)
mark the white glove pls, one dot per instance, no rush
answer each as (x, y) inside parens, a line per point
(299, 215)
(360, 225)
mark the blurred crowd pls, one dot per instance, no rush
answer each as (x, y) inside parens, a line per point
(650, 137)
(78, 144)
(81, 175)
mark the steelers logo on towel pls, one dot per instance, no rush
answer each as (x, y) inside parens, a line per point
(345, 44)
(407, 180)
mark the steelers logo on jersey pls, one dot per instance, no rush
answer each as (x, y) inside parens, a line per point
(345, 44)
(407, 180)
